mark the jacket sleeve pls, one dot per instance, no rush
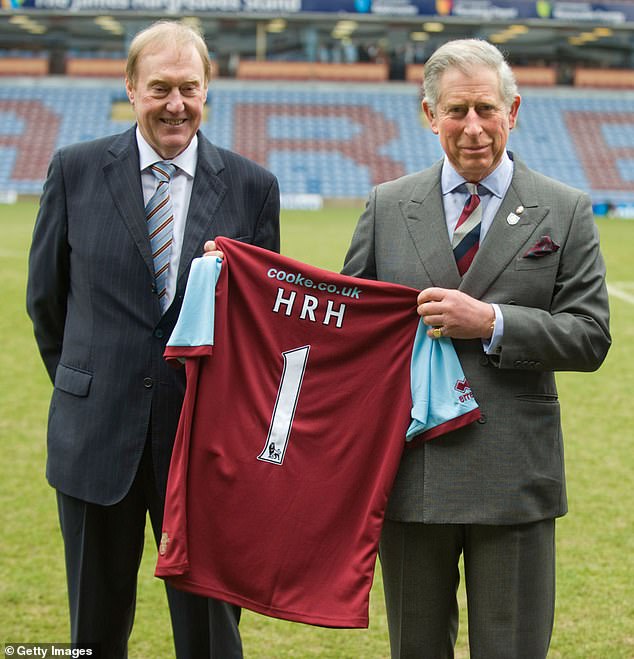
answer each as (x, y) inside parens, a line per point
(268, 224)
(48, 273)
(573, 333)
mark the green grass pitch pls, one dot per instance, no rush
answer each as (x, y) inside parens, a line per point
(595, 593)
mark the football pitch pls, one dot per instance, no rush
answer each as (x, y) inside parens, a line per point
(595, 555)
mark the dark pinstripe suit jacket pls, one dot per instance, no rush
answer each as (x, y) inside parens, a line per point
(96, 316)
(509, 468)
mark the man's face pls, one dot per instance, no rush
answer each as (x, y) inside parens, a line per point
(168, 97)
(472, 121)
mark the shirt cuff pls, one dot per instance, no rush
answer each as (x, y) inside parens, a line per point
(492, 346)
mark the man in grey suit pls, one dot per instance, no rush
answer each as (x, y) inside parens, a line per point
(101, 322)
(532, 301)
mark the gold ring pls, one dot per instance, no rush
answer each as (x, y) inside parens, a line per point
(437, 332)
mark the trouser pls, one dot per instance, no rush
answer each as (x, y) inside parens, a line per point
(103, 548)
(509, 579)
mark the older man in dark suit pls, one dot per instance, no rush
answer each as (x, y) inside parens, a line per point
(516, 278)
(119, 222)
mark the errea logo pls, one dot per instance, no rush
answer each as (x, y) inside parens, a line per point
(464, 389)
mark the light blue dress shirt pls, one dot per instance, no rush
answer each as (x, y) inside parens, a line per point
(454, 197)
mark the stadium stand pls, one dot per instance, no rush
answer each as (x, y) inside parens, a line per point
(280, 70)
(533, 76)
(79, 63)
(23, 63)
(324, 138)
(101, 65)
(604, 78)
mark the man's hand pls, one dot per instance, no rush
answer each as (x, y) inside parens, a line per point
(209, 249)
(455, 314)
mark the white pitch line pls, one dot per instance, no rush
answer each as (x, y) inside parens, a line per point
(621, 294)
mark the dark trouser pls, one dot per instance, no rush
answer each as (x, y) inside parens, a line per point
(103, 548)
(510, 584)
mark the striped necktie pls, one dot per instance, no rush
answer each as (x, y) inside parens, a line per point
(160, 224)
(466, 237)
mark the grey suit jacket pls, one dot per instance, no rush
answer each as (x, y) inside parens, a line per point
(509, 467)
(95, 311)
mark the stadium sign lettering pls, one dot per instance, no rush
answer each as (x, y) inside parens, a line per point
(484, 9)
(604, 12)
(584, 11)
(51, 4)
(394, 8)
(211, 5)
(289, 6)
(100, 5)
(149, 5)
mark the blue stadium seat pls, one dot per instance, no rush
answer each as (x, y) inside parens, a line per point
(334, 140)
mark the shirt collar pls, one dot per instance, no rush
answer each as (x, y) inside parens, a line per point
(185, 161)
(497, 182)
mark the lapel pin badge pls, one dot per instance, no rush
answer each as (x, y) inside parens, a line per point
(514, 218)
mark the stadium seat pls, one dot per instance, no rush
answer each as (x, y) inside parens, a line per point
(332, 139)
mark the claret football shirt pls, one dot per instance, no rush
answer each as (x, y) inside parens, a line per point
(303, 389)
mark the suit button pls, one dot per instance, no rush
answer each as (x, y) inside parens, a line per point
(148, 383)
(483, 418)
(484, 360)
(158, 333)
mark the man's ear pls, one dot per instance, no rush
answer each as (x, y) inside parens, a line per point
(129, 90)
(431, 117)
(515, 107)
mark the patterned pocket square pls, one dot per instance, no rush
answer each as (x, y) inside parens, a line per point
(545, 245)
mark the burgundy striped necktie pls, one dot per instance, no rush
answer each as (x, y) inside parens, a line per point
(466, 237)
(160, 224)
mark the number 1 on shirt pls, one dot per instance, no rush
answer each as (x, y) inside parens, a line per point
(285, 405)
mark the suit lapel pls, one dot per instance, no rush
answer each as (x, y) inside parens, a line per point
(504, 239)
(425, 218)
(208, 191)
(123, 178)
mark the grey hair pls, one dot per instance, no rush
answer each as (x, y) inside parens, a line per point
(464, 54)
(164, 33)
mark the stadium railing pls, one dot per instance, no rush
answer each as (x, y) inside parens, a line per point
(539, 76)
(276, 70)
(23, 63)
(604, 78)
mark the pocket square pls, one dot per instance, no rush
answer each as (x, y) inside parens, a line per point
(545, 245)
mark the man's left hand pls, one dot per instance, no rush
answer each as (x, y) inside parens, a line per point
(209, 249)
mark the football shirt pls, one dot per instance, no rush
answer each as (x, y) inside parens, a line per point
(302, 385)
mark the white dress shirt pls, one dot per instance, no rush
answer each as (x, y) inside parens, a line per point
(180, 193)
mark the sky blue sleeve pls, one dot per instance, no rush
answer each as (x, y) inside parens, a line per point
(195, 324)
(441, 397)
